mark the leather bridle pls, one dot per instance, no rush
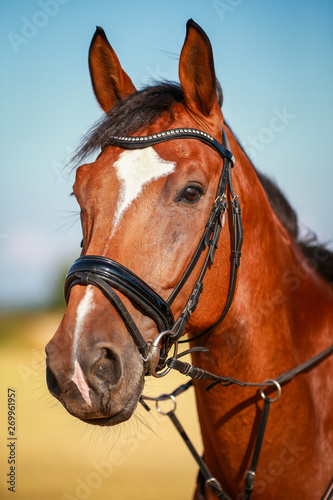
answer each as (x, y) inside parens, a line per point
(107, 275)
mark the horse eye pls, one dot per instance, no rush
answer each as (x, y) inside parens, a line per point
(191, 194)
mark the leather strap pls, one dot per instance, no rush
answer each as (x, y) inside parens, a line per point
(250, 474)
(200, 374)
(209, 480)
(140, 142)
(235, 254)
(210, 238)
(126, 282)
(328, 495)
(86, 278)
(307, 365)
(212, 483)
(218, 208)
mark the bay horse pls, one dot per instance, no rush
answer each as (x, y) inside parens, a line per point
(160, 220)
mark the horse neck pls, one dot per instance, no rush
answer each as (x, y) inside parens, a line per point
(274, 310)
(281, 316)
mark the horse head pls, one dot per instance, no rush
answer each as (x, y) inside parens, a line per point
(143, 210)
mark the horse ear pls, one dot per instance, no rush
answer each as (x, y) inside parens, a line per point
(110, 82)
(196, 70)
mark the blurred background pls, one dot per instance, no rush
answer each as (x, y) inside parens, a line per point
(274, 62)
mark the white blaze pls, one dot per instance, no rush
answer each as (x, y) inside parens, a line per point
(136, 168)
(81, 383)
(85, 306)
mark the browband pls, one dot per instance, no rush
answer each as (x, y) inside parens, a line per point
(144, 141)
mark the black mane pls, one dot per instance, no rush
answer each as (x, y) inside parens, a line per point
(137, 111)
(142, 108)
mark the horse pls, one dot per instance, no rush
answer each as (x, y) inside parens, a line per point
(162, 236)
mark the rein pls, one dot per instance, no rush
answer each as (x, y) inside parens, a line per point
(199, 374)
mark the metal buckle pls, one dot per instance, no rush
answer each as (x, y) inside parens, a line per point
(222, 199)
(250, 477)
(215, 486)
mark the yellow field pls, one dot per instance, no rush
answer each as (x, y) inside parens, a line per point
(58, 457)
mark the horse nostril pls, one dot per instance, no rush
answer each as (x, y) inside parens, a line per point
(108, 367)
(52, 383)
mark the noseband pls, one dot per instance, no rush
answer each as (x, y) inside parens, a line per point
(107, 275)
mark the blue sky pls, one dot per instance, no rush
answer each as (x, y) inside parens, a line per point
(273, 59)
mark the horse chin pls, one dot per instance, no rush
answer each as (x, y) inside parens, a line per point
(122, 415)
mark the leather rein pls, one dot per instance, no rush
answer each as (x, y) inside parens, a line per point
(107, 275)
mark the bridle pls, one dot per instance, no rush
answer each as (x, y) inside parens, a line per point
(108, 275)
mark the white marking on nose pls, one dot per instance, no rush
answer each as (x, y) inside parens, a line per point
(81, 383)
(135, 169)
(85, 306)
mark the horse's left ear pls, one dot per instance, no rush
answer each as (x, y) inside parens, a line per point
(196, 70)
(110, 82)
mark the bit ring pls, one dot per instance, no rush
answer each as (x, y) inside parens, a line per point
(164, 398)
(278, 387)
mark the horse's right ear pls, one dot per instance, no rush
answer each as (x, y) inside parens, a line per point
(196, 71)
(110, 82)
